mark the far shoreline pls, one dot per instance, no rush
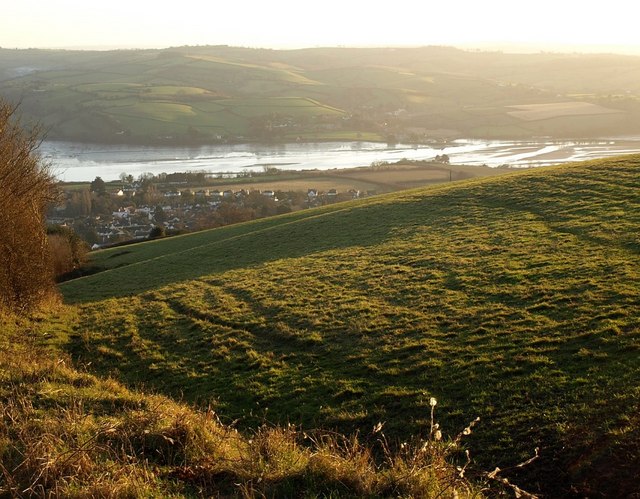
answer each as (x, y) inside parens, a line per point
(322, 140)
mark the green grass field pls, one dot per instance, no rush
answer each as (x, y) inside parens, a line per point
(68, 433)
(514, 299)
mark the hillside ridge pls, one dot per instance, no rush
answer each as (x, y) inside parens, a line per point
(514, 299)
(116, 260)
(206, 95)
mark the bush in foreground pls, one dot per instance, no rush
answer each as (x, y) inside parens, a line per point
(26, 190)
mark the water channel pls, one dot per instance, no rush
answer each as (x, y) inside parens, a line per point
(83, 162)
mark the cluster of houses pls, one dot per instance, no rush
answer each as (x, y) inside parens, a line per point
(186, 210)
(215, 195)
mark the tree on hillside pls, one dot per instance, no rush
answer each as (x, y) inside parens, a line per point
(159, 215)
(27, 188)
(126, 178)
(157, 232)
(442, 159)
(68, 251)
(98, 186)
(79, 204)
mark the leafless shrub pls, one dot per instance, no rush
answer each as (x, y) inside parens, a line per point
(67, 251)
(27, 188)
(61, 254)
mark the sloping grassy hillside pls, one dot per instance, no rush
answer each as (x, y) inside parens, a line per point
(67, 433)
(515, 299)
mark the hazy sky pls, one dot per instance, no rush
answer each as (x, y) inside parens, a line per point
(298, 23)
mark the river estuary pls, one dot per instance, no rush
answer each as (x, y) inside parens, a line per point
(73, 162)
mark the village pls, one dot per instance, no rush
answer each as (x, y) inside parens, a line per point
(104, 214)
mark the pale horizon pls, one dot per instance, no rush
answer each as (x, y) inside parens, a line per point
(283, 24)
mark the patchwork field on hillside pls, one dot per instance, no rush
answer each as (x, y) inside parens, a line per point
(201, 95)
(535, 112)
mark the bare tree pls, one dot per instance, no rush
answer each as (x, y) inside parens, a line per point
(27, 188)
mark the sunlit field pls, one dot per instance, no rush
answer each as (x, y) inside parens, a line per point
(514, 299)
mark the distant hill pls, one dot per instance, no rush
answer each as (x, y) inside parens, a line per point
(515, 299)
(221, 94)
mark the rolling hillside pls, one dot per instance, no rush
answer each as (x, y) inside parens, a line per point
(213, 94)
(68, 433)
(515, 299)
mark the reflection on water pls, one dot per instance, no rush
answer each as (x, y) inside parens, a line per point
(83, 162)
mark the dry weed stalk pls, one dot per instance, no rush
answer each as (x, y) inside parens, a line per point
(518, 492)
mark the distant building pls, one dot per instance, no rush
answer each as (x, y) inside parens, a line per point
(120, 215)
